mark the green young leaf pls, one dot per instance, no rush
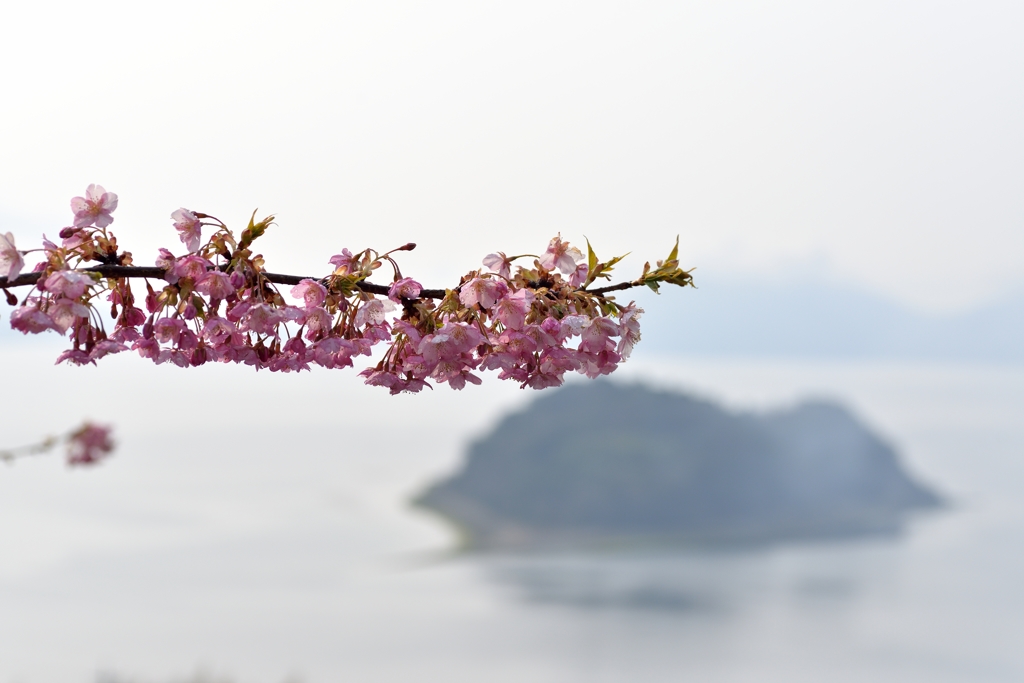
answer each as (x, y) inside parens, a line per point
(254, 230)
(674, 254)
(611, 262)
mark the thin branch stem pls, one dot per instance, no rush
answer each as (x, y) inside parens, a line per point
(116, 271)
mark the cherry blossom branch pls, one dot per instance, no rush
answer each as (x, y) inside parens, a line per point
(529, 323)
(115, 271)
(86, 445)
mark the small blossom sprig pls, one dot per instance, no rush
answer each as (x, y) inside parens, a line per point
(528, 318)
(86, 445)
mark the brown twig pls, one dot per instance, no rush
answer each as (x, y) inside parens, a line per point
(116, 271)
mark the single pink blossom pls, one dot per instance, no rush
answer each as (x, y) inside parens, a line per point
(579, 276)
(629, 329)
(106, 347)
(406, 288)
(74, 357)
(342, 262)
(165, 259)
(220, 331)
(311, 292)
(188, 340)
(64, 312)
(318, 323)
(262, 319)
(333, 352)
(596, 364)
(544, 381)
(191, 266)
(561, 256)
(94, 208)
(373, 312)
(215, 284)
(410, 386)
(131, 317)
(379, 378)
(168, 330)
(75, 238)
(189, 227)
(30, 320)
(292, 314)
(483, 291)
(597, 335)
(126, 335)
(147, 348)
(68, 283)
(572, 325)
(238, 311)
(499, 263)
(11, 262)
(513, 309)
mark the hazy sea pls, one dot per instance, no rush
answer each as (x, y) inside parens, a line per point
(255, 528)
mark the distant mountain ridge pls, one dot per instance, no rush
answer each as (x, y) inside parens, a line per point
(817, 320)
(599, 462)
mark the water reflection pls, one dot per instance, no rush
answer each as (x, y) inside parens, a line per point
(697, 583)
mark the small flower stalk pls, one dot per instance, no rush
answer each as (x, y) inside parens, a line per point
(527, 318)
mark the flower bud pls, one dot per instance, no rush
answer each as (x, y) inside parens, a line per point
(199, 356)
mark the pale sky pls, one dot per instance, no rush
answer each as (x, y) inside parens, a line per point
(877, 143)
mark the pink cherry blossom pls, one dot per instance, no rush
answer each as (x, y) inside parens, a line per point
(483, 291)
(499, 263)
(191, 266)
(30, 320)
(497, 321)
(72, 238)
(11, 262)
(629, 329)
(311, 292)
(94, 208)
(189, 228)
(597, 335)
(168, 330)
(406, 288)
(74, 357)
(64, 312)
(215, 284)
(561, 256)
(372, 312)
(342, 261)
(318, 322)
(262, 319)
(147, 348)
(579, 276)
(89, 445)
(105, 348)
(513, 309)
(68, 283)
(219, 331)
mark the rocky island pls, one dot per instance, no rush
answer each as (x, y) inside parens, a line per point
(600, 464)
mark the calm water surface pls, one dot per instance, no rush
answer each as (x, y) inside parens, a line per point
(256, 528)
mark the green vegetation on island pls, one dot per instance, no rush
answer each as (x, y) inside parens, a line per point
(602, 463)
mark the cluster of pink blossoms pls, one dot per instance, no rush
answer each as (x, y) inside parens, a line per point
(89, 444)
(531, 324)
